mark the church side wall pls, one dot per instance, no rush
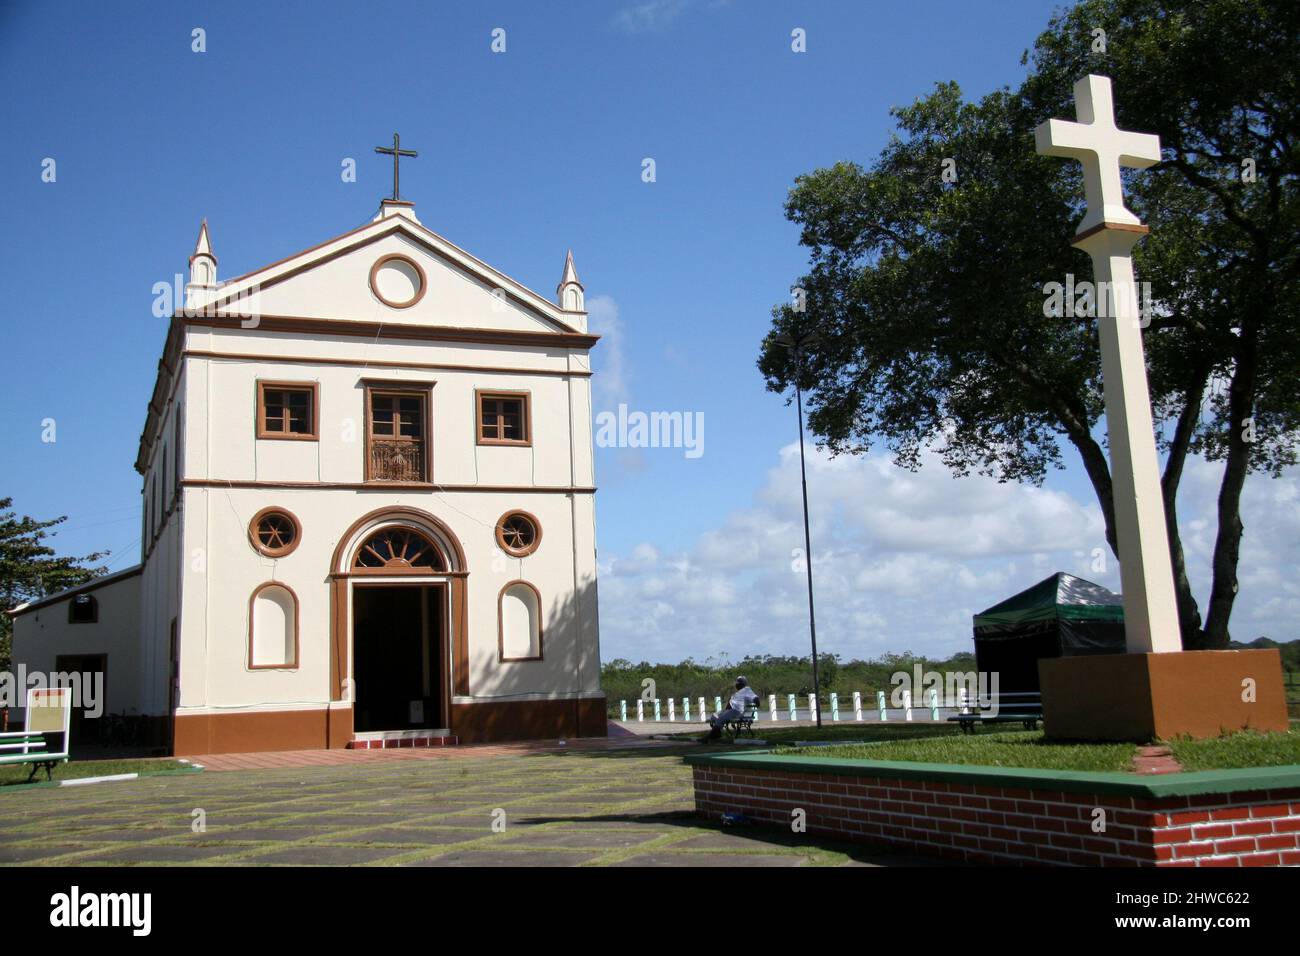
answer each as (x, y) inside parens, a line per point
(162, 543)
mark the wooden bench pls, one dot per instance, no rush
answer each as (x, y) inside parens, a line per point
(744, 724)
(44, 741)
(1018, 708)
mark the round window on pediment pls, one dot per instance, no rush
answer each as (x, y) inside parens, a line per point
(274, 532)
(397, 281)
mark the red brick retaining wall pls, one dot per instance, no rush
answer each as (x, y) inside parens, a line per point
(982, 823)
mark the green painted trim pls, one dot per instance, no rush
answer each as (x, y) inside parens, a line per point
(1199, 783)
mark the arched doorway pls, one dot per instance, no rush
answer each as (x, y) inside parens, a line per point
(399, 623)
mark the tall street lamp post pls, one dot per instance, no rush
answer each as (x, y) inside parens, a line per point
(796, 347)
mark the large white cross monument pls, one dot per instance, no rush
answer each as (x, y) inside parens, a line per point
(1108, 233)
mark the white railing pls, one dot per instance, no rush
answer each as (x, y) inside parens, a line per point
(651, 709)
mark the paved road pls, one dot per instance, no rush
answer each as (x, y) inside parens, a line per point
(603, 808)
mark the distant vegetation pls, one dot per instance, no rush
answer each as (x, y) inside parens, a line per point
(622, 680)
(714, 677)
(1290, 652)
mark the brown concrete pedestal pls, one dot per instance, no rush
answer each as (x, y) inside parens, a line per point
(1142, 697)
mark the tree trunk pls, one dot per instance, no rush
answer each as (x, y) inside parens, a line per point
(1098, 471)
(1189, 614)
(1227, 544)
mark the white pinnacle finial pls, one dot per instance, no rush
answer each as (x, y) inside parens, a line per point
(202, 286)
(570, 291)
(203, 247)
(203, 263)
(1102, 148)
(570, 273)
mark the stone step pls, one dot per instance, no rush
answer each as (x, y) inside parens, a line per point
(390, 739)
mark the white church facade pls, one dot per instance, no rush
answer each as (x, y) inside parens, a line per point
(368, 510)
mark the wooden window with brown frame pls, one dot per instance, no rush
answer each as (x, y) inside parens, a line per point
(397, 432)
(287, 410)
(504, 418)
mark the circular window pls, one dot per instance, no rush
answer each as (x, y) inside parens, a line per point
(518, 533)
(274, 532)
(397, 281)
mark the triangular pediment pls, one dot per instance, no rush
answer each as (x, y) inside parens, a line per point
(395, 271)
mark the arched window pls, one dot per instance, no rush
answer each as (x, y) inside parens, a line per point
(273, 627)
(83, 609)
(520, 633)
(400, 550)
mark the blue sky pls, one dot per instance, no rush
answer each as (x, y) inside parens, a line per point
(523, 155)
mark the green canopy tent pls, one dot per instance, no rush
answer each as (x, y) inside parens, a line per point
(1060, 616)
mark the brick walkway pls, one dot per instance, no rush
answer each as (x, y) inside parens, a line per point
(606, 804)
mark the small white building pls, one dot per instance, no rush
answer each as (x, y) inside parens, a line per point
(368, 509)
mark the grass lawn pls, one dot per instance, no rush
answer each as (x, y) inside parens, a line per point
(17, 773)
(1029, 749)
(1239, 750)
(1020, 748)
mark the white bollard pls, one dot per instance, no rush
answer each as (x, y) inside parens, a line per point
(622, 711)
(835, 706)
(686, 709)
(857, 705)
(813, 709)
(907, 705)
(794, 713)
(703, 714)
(656, 710)
(934, 704)
(963, 702)
(672, 709)
(771, 705)
(640, 711)
(717, 705)
(880, 704)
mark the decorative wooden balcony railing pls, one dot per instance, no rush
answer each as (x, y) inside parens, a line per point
(396, 461)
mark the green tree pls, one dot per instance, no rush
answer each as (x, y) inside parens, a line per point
(928, 296)
(30, 568)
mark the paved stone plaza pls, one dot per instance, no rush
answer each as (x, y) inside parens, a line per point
(602, 808)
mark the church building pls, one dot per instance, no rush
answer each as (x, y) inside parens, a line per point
(368, 510)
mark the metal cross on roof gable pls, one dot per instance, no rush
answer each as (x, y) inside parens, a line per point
(397, 153)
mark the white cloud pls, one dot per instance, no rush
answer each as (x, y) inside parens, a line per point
(1268, 600)
(649, 15)
(609, 360)
(903, 560)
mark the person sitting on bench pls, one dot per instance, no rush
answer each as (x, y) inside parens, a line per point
(735, 709)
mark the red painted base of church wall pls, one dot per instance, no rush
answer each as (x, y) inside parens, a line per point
(317, 729)
(261, 731)
(529, 720)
